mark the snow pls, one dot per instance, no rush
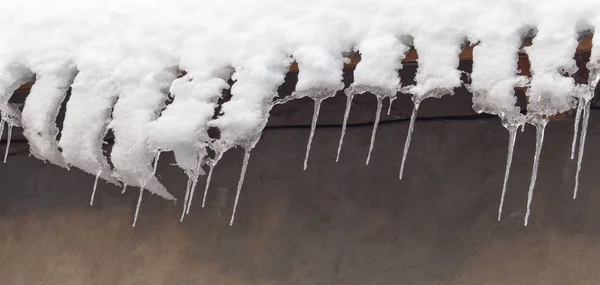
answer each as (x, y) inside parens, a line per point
(124, 58)
(41, 109)
(142, 96)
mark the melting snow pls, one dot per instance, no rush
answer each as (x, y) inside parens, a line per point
(122, 65)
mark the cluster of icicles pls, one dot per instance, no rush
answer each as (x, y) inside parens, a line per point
(133, 105)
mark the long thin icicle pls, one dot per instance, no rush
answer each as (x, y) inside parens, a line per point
(2, 123)
(95, 186)
(512, 131)
(313, 126)
(344, 124)
(208, 178)
(390, 105)
(185, 201)
(540, 126)
(584, 127)
(211, 166)
(137, 207)
(576, 127)
(375, 125)
(124, 188)
(8, 137)
(156, 162)
(411, 127)
(194, 182)
(240, 183)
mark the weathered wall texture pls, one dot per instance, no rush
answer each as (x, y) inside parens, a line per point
(336, 223)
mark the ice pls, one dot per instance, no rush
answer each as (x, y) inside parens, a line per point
(2, 123)
(245, 115)
(390, 105)
(377, 72)
(12, 117)
(156, 158)
(137, 207)
(211, 166)
(313, 127)
(349, 98)
(11, 78)
(539, 122)
(586, 118)
(124, 188)
(580, 105)
(549, 93)
(126, 63)
(584, 93)
(375, 125)
(494, 78)
(240, 183)
(437, 74)
(320, 77)
(318, 95)
(353, 90)
(186, 199)
(511, 146)
(94, 189)
(8, 137)
(194, 177)
(411, 127)
(512, 124)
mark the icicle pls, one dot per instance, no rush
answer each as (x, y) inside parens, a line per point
(192, 190)
(185, 201)
(411, 127)
(241, 181)
(540, 126)
(208, 178)
(211, 167)
(2, 133)
(344, 124)
(390, 105)
(137, 208)
(2, 127)
(586, 118)
(375, 125)
(156, 162)
(512, 131)
(312, 129)
(95, 186)
(194, 182)
(124, 188)
(576, 127)
(9, 134)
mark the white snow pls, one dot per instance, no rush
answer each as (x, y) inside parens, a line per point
(122, 58)
(41, 109)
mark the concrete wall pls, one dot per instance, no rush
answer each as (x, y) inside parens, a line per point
(336, 223)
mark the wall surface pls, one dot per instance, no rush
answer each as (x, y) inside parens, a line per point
(335, 223)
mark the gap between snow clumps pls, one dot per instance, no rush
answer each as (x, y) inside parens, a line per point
(123, 59)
